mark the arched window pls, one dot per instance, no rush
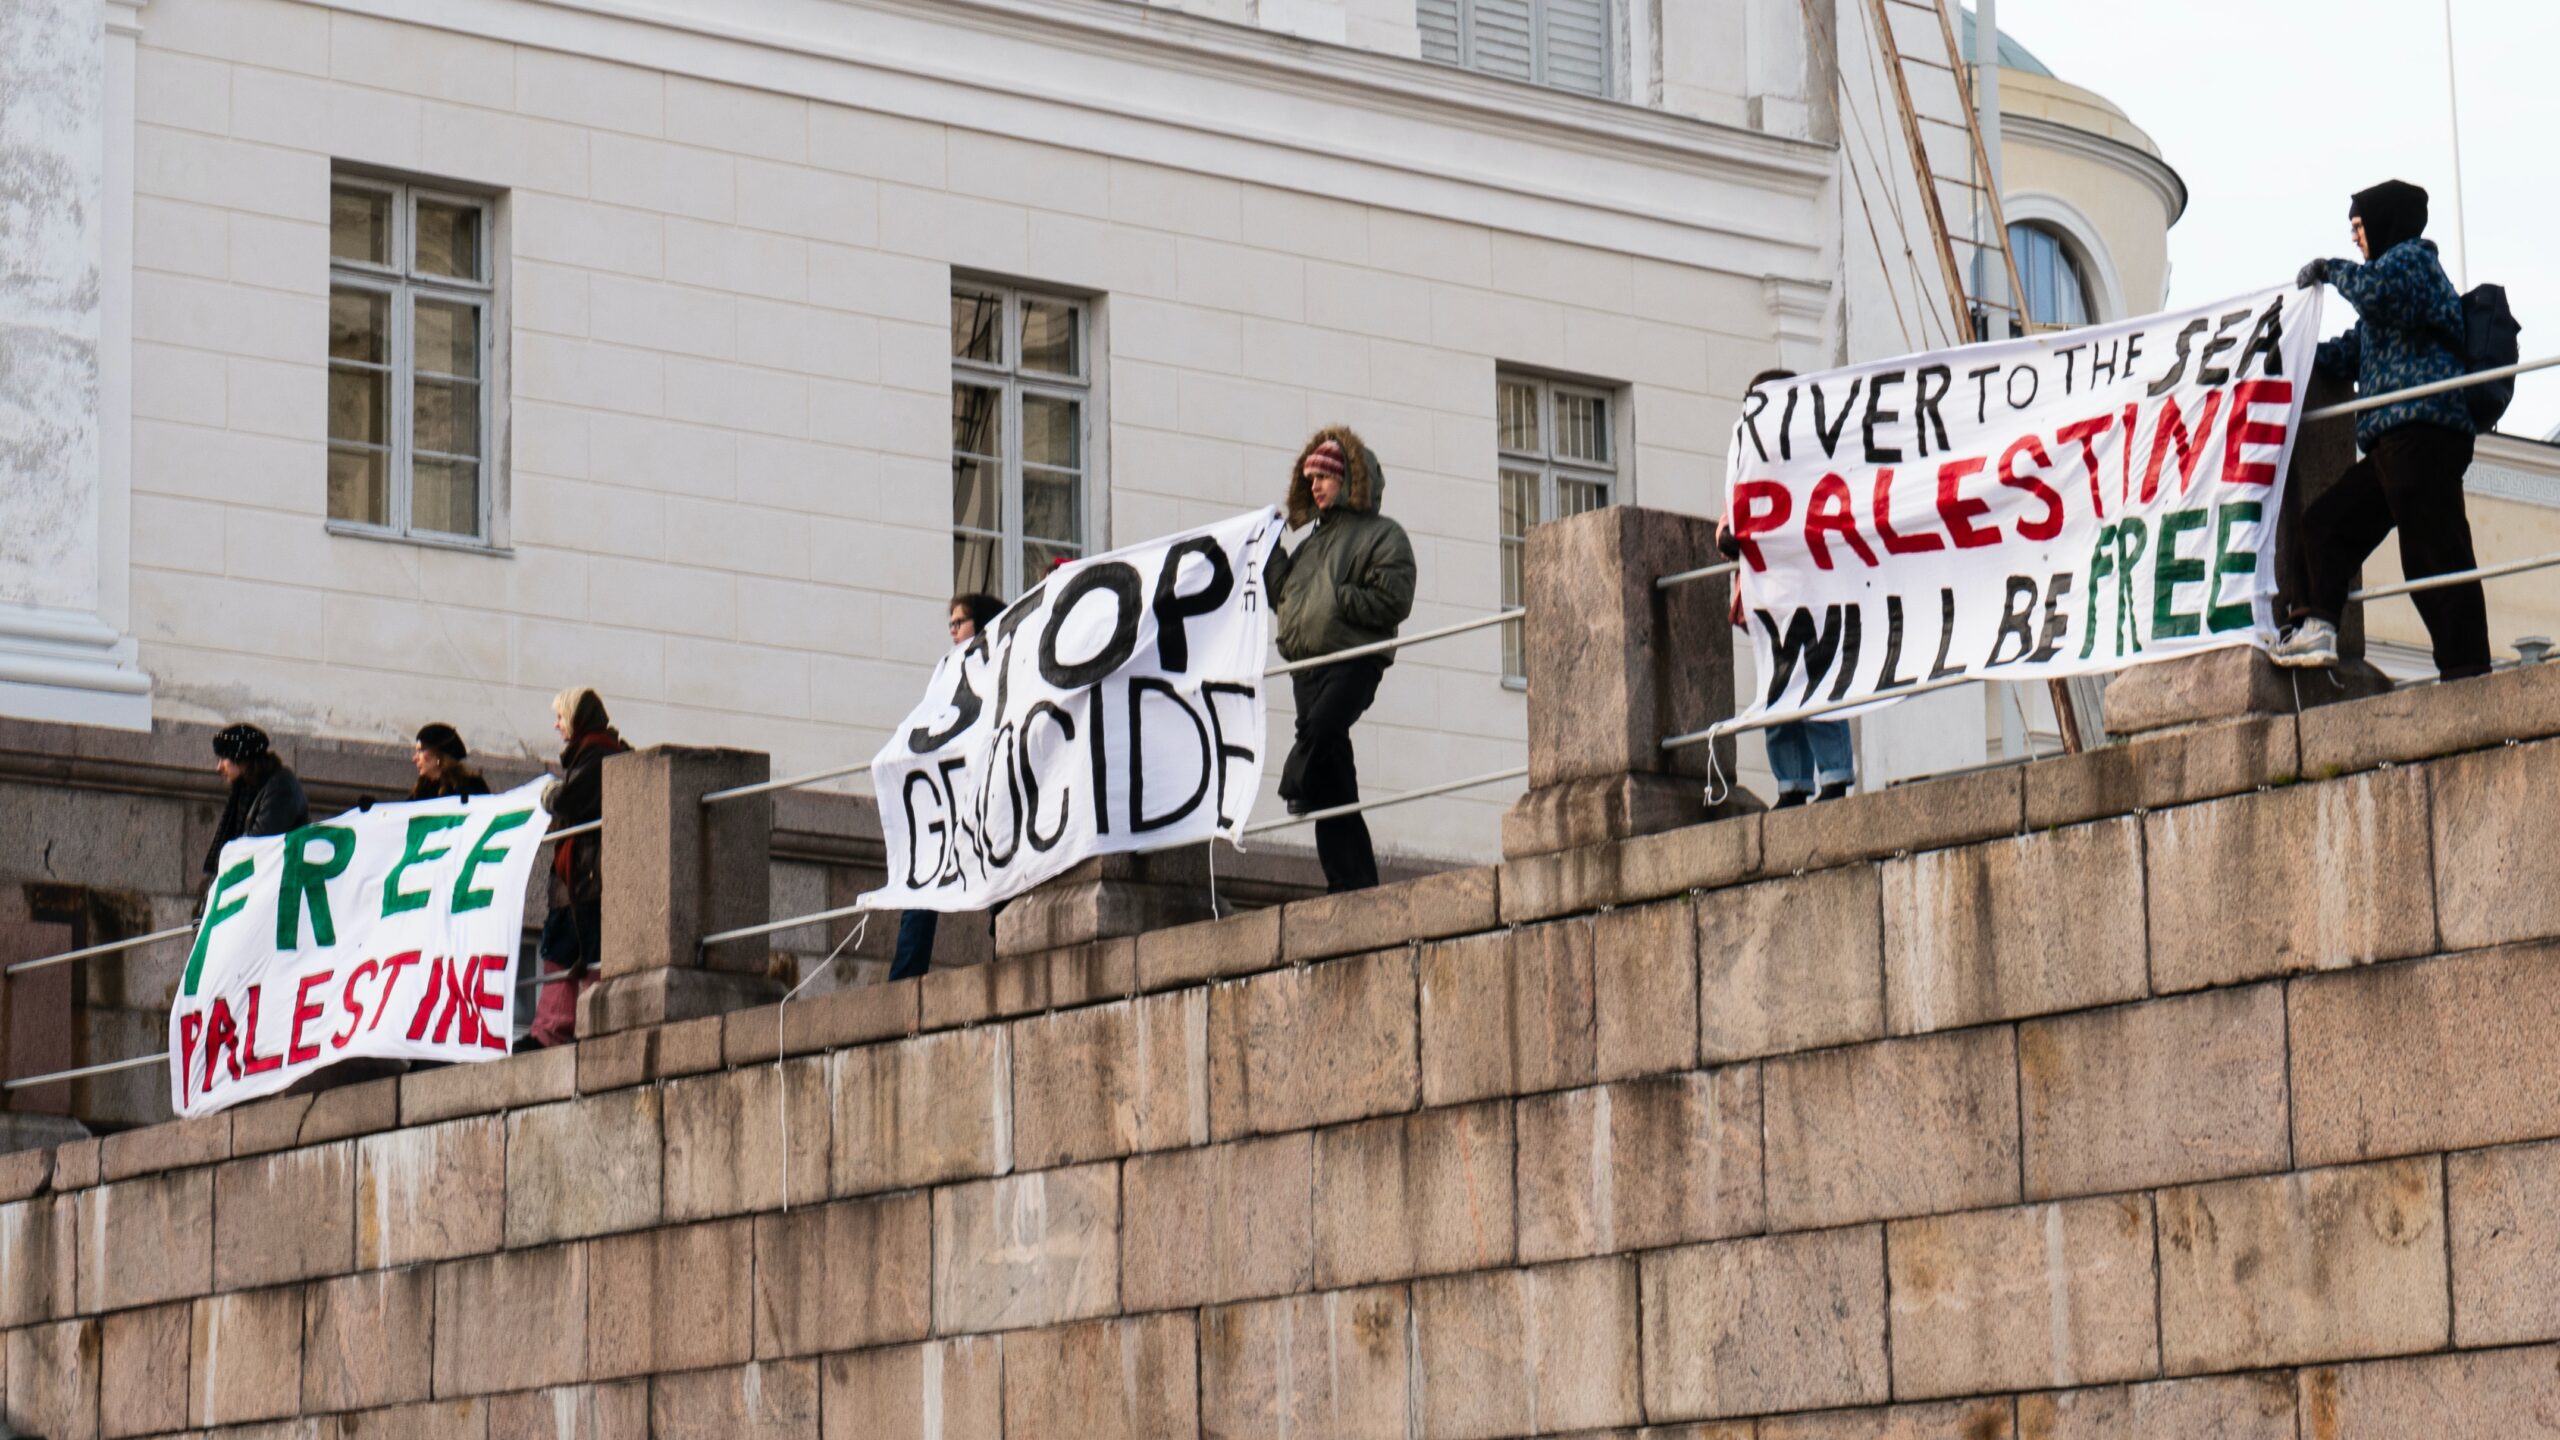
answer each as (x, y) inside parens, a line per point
(2057, 294)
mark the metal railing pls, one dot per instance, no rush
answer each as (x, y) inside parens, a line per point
(2457, 577)
(1703, 572)
(1359, 807)
(2373, 592)
(92, 951)
(59, 1077)
(1380, 647)
(2433, 387)
(1356, 652)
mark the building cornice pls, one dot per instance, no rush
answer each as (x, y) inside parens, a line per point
(1165, 88)
(2148, 168)
(2513, 467)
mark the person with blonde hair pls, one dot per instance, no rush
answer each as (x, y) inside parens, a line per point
(573, 933)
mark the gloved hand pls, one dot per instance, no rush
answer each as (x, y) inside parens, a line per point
(2312, 275)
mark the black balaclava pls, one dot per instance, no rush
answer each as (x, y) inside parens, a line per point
(2392, 211)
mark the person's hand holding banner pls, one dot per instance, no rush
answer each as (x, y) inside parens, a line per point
(389, 932)
(1115, 707)
(2059, 505)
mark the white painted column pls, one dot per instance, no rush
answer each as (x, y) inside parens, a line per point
(66, 363)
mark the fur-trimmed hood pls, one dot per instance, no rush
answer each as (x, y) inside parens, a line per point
(1364, 482)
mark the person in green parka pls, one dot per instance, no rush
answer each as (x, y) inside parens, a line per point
(1348, 583)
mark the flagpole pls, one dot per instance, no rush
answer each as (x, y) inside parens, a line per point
(2453, 109)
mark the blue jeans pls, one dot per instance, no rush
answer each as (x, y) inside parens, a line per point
(1806, 753)
(916, 929)
(915, 943)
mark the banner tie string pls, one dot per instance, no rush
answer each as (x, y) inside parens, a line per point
(781, 1080)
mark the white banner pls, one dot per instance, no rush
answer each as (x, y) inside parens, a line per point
(390, 932)
(1115, 707)
(2058, 505)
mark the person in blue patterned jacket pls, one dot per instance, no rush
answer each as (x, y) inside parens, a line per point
(2408, 332)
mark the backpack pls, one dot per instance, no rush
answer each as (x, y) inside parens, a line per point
(2489, 331)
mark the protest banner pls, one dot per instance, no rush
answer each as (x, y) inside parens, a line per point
(389, 932)
(2057, 505)
(1115, 707)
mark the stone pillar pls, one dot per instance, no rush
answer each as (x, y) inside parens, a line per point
(1107, 897)
(676, 870)
(66, 332)
(2223, 684)
(2321, 454)
(1617, 666)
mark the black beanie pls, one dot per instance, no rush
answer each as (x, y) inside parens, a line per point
(2392, 212)
(444, 740)
(240, 742)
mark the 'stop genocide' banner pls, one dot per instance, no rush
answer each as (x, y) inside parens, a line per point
(391, 932)
(2057, 505)
(1117, 706)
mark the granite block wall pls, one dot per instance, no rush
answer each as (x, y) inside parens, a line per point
(1994, 1108)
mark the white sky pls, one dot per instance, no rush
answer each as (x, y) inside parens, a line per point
(2275, 111)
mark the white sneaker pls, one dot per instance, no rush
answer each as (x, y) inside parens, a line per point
(2312, 646)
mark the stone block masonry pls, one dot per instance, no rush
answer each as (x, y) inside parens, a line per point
(2232, 1119)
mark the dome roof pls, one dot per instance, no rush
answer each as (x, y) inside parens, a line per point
(2013, 56)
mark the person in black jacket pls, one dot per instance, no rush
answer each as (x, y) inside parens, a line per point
(440, 769)
(573, 933)
(2408, 332)
(265, 797)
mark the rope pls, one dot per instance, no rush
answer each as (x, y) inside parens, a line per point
(2026, 727)
(1715, 778)
(781, 1077)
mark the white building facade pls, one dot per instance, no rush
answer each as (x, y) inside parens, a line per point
(381, 361)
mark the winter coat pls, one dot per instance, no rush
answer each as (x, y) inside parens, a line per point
(1351, 581)
(266, 801)
(456, 781)
(578, 862)
(2409, 332)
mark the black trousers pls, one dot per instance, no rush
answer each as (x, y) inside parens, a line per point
(2411, 481)
(1320, 772)
(916, 929)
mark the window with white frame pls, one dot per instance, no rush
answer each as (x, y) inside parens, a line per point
(1559, 457)
(2056, 292)
(1563, 43)
(1020, 389)
(412, 309)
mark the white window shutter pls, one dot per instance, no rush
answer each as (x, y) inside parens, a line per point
(1563, 43)
(1443, 39)
(1501, 38)
(1574, 45)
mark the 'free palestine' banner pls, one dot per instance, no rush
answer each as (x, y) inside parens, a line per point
(2057, 505)
(391, 932)
(1115, 707)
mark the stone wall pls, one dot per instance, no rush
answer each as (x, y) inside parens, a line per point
(2200, 1086)
(102, 834)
